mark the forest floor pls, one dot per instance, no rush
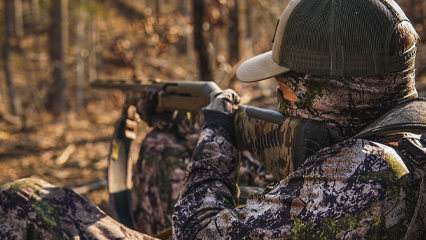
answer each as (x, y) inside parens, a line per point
(71, 152)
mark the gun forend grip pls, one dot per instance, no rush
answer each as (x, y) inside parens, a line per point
(186, 96)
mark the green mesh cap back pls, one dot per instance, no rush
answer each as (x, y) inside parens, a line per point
(342, 38)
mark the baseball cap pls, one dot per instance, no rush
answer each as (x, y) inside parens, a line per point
(333, 38)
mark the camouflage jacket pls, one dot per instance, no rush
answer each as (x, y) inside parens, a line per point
(355, 189)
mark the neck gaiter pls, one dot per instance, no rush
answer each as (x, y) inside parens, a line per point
(345, 105)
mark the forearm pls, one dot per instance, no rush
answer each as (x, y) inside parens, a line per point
(210, 185)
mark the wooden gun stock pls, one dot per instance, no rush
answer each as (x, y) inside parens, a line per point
(279, 142)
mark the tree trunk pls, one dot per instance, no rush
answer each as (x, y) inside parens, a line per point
(199, 41)
(93, 42)
(15, 103)
(183, 6)
(58, 44)
(157, 8)
(80, 34)
(30, 75)
(36, 19)
(248, 29)
(35, 14)
(19, 22)
(249, 26)
(190, 53)
(233, 34)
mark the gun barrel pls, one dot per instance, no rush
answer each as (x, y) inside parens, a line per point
(124, 85)
(189, 96)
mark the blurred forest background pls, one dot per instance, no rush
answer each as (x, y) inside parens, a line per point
(54, 127)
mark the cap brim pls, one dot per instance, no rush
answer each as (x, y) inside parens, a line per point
(259, 68)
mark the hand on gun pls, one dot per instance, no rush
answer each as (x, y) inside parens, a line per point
(226, 102)
(147, 110)
(221, 110)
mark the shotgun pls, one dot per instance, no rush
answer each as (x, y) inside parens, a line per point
(279, 142)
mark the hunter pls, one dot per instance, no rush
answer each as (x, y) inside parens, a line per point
(344, 63)
(348, 64)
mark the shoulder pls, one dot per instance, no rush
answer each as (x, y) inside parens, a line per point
(358, 181)
(356, 156)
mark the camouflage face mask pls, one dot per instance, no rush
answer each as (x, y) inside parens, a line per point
(345, 105)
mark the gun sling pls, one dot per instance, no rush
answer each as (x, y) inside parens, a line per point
(408, 116)
(120, 167)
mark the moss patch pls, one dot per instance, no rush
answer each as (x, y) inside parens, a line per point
(165, 164)
(16, 186)
(392, 183)
(49, 215)
(329, 229)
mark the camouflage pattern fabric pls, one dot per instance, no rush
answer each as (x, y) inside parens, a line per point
(34, 209)
(159, 176)
(157, 179)
(355, 189)
(252, 172)
(271, 143)
(159, 173)
(345, 105)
